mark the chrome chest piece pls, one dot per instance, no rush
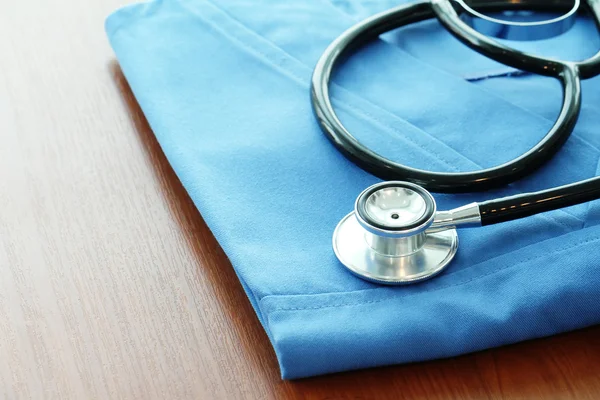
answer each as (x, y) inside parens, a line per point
(396, 235)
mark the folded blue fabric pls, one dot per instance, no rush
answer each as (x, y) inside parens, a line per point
(225, 87)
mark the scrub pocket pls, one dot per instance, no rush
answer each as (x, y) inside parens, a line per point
(225, 88)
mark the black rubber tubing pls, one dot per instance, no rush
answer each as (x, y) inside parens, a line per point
(493, 211)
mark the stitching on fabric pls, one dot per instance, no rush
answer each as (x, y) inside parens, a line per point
(579, 244)
(573, 135)
(360, 112)
(510, 72)
(269, 60)
(450, 273)
(385, 124)
(478, 77)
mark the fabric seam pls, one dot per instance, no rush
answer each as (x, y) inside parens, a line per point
(483, 76)
(251, 48)
(264, 57)
(475, 278)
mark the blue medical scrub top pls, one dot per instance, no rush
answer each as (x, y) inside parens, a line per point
(225, 87)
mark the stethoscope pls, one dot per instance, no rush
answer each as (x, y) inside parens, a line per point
(396, 235)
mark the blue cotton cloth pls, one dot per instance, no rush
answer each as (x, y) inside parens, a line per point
(225, 87)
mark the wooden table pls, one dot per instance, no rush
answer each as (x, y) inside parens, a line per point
(111, 286)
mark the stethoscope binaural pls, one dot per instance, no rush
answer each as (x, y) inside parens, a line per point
(396, 235)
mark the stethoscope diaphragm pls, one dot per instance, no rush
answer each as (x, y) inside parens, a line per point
(386, 239)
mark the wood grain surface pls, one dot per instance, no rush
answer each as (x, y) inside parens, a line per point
(111, 285)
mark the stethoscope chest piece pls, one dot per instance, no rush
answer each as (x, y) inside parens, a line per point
(395, 234)
(388, 238)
